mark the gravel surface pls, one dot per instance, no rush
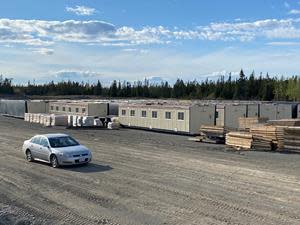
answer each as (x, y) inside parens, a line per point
(140, 177)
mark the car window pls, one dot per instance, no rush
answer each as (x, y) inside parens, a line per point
(60, 142)
(36, 140)
(44, 142)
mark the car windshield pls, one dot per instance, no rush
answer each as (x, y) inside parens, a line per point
(60, 142)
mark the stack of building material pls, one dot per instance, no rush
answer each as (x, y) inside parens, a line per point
(79, 121)
(74, 123)
(212, 134)
(285, 122)
(70, 120)
(97, 122)
(271, 133)
(247, 141)
(245, 123)
(47, 120)
(292, 138)
(26, 117)
(88, 121)
(239, 140)
(114, 124)
(59, 120)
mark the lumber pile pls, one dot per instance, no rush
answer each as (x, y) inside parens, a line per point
(239, 140)
(292, 139)
(285, 122)
(212, 134)
(247, 141)
(245, 123)
(271, 133)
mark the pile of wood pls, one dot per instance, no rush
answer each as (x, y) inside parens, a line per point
(239, 140)
(271, 133)
(285, 122)
(247, 141)
(292, 139)
(246, 123)
(212, 134)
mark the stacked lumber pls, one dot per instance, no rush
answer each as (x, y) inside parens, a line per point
(212, 134)
(245, 123)
(247, 141)
(271, 133)
(285, 122)
(239, 140)
(292, 138)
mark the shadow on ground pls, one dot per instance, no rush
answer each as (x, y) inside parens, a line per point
(88, 168)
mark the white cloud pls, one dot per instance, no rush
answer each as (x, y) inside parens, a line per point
(81, 10)
(42, 51)
(283, 43)
(47, 33)
(294, 11)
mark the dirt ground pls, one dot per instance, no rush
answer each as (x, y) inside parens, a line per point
(140, 177)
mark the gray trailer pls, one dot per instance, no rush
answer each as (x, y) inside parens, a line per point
(15, 108)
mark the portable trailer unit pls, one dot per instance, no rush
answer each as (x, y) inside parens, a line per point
(185, 119)
(284, 111)
(79, 108)
(37, 106)
(268, 110)
(232, 115)
(15, 108)
(253, 110)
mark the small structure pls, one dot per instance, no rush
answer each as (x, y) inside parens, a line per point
(80, 108)
(180, 118)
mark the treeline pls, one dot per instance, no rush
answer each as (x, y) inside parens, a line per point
(243, 88)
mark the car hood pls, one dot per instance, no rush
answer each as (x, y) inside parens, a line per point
(79, 149)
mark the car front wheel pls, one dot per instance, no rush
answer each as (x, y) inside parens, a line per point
(54, 162)
(29, 157)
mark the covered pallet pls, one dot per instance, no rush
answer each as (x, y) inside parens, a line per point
(59, 120)
(292, 138)
(245, 123)
(212, 134)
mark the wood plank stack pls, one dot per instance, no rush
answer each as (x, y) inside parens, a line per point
(212, 134)
(285, 122)
(245, 123)
(292, 139)
(239, 140)
(247, 141)
(271, 133)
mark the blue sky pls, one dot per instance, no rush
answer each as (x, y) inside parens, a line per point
(133, 39)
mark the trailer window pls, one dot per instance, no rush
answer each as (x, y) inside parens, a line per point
(123, 112)
(70, 110)
(180, 116)
(52, 107)
(77, 110)
(57, 108)
(144, 113)
(64, 108)
(83, 110)
(168, 115)
(154, 114)
(132, 112)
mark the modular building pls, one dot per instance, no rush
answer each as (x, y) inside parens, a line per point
(277, 111)
(37, 106)
(227, 115)
(167, 117)
(13, 107)
(80, 108)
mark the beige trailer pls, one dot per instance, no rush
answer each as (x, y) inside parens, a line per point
(167, 117)
(79, 108)
(227, 115)
(37, 106)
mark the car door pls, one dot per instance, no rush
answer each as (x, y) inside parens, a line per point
(34, 145)
(44, 149)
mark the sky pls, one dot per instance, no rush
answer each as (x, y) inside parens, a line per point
(159, 40)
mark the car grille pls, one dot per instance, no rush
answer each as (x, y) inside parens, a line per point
(85, 154)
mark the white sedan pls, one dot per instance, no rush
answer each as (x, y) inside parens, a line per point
(56, 149)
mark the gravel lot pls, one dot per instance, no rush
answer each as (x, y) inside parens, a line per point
(140, 177)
